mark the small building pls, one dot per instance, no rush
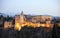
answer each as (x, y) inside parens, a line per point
(7, 24)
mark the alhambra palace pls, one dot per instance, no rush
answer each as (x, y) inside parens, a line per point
(30, 21)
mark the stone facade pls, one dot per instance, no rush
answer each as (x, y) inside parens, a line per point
(33, 21)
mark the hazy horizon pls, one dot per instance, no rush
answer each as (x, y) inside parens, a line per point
(33, 7)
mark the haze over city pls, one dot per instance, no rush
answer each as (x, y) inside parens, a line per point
(34, 7)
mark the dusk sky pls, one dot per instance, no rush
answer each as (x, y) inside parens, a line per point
(34, 7)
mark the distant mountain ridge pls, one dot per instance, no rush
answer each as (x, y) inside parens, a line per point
(3, 14)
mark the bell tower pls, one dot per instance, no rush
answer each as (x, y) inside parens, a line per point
(22, 18)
